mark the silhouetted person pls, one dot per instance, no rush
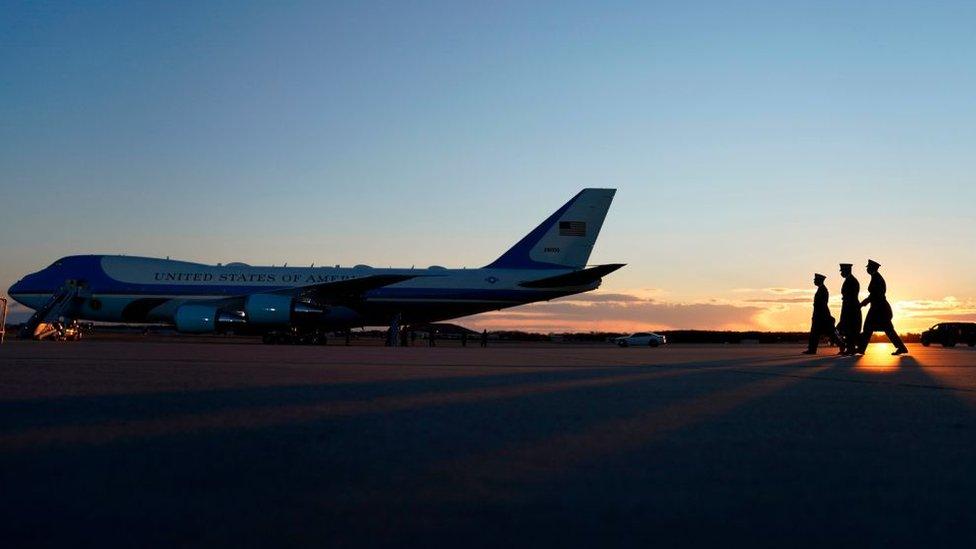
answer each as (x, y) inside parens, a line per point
(879, 315)
(464, 339)
(484, 338)
(849, 325)
(393, 332)
(822, 323)
(431, 339)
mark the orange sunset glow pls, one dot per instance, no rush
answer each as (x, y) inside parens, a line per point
(774, 309)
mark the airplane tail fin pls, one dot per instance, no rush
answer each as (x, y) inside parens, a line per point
(565, 239)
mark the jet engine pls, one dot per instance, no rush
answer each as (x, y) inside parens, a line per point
(279, 310)
(202, 319)
(262, 310)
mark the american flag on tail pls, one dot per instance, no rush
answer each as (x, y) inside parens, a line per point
(572, 228)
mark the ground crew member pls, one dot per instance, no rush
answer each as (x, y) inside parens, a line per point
(393, 332)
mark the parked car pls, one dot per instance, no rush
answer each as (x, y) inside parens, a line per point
(949, 334)
(641, 339)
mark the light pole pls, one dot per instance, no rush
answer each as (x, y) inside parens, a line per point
(3, 318)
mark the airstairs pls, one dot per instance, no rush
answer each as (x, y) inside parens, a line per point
(46, 321)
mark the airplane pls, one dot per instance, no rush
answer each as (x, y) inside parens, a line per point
(301, 304)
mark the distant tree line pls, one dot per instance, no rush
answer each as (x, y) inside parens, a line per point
(680, 336)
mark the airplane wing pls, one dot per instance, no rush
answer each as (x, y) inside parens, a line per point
(277, 301)
(576, 278)
(324, 292)
(342, 289)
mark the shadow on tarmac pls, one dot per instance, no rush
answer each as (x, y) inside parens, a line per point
(768, 451)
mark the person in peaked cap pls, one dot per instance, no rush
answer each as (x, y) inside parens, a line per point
(879, 315)
(849, 324)
(822, 323)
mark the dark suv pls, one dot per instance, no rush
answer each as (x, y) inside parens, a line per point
(950, 333)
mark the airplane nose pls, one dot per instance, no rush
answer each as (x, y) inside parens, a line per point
(24, 288)
(17, 290)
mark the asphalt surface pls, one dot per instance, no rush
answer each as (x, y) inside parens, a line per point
(171, 444)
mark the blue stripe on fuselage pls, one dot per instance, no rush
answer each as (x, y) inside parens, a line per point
(89, 269)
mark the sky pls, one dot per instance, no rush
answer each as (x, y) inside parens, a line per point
(752, 144)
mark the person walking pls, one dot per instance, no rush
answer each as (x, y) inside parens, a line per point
(879, 315)
(484, 338)
(849, 324)
(822, 322)
(393, 332)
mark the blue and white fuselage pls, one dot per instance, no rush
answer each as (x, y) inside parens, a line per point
(546, 264)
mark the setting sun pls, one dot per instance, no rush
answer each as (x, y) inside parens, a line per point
(878, 358)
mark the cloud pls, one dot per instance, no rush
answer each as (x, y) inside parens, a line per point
(773, 308)
(933, 310)
(604, 298)
(619, 312)
(949, 303)
(778, 300)
(17, 313)
(777, 290)
(790, 291)
(13, 306)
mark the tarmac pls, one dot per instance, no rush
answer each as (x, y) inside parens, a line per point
(166, 443)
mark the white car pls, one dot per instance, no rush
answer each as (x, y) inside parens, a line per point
(641, 339)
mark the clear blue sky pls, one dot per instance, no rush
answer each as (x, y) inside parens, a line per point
(752, 143)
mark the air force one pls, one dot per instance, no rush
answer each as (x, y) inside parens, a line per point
(293, 302)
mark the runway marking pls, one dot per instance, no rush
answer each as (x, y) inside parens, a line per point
(269, 416)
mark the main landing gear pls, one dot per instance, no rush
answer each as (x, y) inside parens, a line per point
(294, 336)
